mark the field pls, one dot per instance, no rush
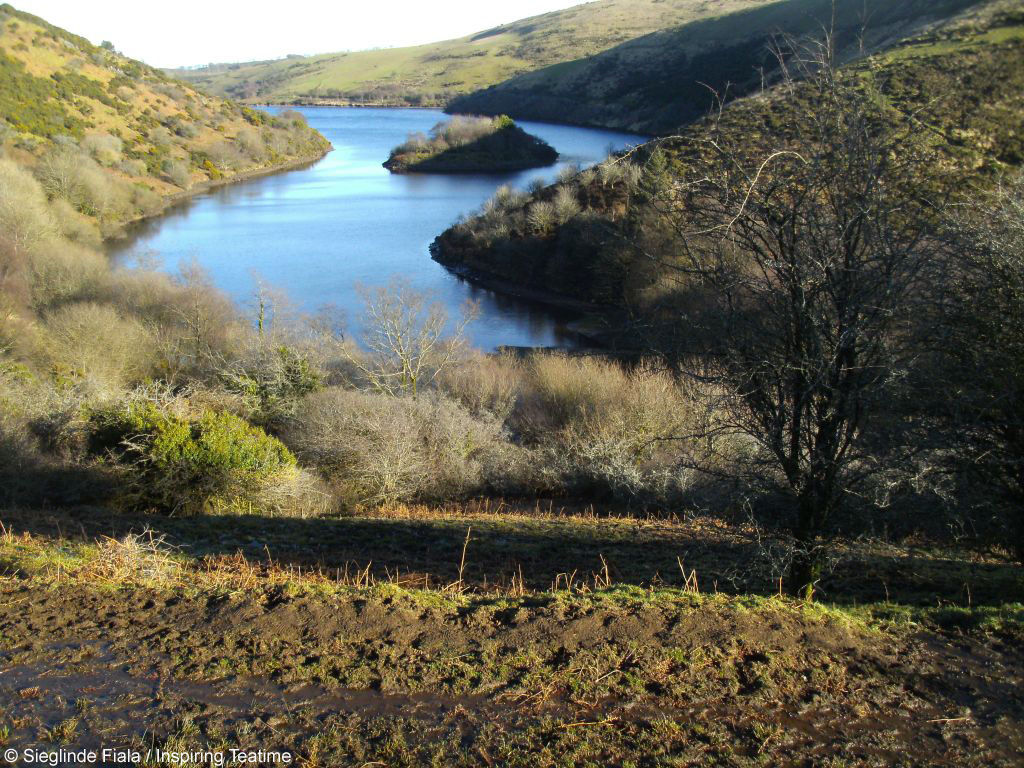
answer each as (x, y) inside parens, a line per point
(500, 634)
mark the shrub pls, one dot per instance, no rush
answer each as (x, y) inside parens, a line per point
(251, 143)
(68, 174)
(485, 385)
(272, 380)
(377, 449)
(93, 343)
(24, 217)
(541, 217)
(567, 174)
(62, 271)
(183, 465)
(133, 167)
(75, 226)
(103, 148)
(603, 426)
(177, 173)
(565, 204)
(227, 156)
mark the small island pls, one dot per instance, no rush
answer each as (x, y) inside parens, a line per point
(471, 145)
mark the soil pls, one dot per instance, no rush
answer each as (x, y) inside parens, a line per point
(395, 677)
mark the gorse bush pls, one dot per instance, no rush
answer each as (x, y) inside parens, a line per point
(188, 465)
(273, 380)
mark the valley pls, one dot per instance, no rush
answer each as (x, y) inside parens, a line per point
(696, 441)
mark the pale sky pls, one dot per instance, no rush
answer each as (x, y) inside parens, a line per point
(188, 32)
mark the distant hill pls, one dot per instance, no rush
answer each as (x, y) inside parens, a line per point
(658, 82)
(431, 75)
(116, 138)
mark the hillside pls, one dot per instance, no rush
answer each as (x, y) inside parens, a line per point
(430, 75)
(658, 82)
(116, 138)
(960, 87)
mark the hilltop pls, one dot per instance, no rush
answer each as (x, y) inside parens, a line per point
(431, 75)
(116, 138)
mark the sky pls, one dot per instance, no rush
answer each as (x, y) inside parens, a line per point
(192, 32)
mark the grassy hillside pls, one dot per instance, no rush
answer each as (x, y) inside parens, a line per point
(960, 85)
(656, 83)
(114, 137)
(432, 74)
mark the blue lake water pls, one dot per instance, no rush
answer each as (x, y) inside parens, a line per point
(316, 233)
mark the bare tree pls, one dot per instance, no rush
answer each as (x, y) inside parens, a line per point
(984, 355)
(405, 335)
(805, 264)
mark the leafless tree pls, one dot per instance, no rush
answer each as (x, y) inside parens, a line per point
(406, 337)
(805, 264)
(985, 353)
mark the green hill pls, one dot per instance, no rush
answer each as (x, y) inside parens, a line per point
(658, 82)
(960, 87)
(116, 138)
(432, 74)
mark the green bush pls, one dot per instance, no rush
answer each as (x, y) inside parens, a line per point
(186, 465)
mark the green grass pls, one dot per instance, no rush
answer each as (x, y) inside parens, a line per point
(656, 83)
(431, 74)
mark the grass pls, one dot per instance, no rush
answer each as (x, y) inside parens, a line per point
(486, 550)
(431, 74)
(358, 668)
(656, 83)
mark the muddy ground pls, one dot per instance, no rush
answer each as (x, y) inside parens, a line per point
(339, 674)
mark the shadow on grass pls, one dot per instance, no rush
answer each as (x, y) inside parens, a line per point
(543, 551)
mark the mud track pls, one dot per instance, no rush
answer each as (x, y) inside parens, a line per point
(405, 679)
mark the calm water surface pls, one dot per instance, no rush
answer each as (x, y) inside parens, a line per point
(317, 232)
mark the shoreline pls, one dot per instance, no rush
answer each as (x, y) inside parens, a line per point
(506, 288)
(443, 107)
(202, 187)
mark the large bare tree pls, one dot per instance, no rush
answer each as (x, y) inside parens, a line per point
(805, 263)
(407, 337)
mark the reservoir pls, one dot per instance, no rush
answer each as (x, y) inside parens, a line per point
(314, 234)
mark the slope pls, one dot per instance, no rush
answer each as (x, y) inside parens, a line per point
(115, 138)
(432, 74)
(959, 86)
(658, 82)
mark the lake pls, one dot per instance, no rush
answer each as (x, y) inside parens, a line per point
(316, 233)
